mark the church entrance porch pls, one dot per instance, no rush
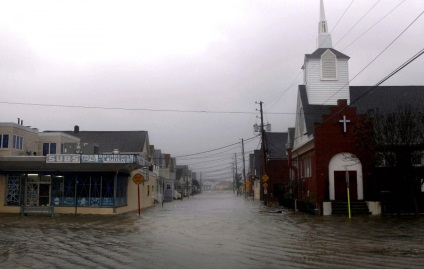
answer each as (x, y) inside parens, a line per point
(338, 165)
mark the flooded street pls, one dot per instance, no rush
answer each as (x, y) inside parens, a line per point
(211, 230)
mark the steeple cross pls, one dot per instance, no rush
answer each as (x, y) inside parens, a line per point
(345, 122)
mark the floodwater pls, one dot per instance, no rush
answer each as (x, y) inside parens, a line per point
(211, 230)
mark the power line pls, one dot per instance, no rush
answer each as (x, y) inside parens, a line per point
(137, 109)
(348, 31)
(373, 60)
(372, 26)
(198, 153)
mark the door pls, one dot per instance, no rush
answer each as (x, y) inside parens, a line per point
(340, 186)
(44, 195)
(38, 194)
(32, 194)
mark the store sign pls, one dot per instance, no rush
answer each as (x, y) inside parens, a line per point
(107, 158)
(102, 158)
(63, 158)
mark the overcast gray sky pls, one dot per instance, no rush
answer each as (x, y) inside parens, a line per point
(212, 56)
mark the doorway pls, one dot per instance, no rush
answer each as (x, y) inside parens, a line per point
(340, 186)
(38, 190)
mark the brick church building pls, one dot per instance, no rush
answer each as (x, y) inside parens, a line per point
(322, 150)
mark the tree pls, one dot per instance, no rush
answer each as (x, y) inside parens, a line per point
(397, 140)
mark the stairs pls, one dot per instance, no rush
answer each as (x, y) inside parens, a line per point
(356, 208)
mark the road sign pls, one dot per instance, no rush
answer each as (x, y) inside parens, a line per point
(265, 178)
(138, 178)
(265, 185)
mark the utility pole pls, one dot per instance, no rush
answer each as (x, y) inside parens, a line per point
(244, 168)
(236, 176)
(264, 175)
(234, 180)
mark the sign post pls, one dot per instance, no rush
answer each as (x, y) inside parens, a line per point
(265, 186)
(348, 194)
(138, 179)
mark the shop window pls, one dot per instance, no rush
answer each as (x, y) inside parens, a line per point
(95, 191)
(107, 190)
(121, 190)
(13, 195)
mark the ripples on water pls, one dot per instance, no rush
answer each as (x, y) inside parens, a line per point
(211, 231)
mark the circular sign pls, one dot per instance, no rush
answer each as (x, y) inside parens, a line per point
(138, 178)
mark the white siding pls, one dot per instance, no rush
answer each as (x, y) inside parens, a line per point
(300, 126)
(327, 92)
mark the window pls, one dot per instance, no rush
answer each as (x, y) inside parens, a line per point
(168, 186)
(13, 196)
(4, 141)
(307, 167)
(49, 148)
(328, 66)
(89, 190)
(18, 142)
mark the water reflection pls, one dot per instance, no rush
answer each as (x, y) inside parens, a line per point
(210, 231)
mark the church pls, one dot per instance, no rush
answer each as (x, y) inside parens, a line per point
(324, 159)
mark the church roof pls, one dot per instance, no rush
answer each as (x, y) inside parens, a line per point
(364, 98)
(386, 98)
(318, 53)
(312, 113)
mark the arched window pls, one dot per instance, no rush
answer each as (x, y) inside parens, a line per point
(328, 66)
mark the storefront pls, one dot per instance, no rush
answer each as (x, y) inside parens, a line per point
(93, 183)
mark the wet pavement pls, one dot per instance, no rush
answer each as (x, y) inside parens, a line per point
(211, 230)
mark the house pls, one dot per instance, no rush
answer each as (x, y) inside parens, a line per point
(183, 180)
(78, 180)
(164, 167)
(18, 140)
(323, 157)
(254, 174)
(276, 166)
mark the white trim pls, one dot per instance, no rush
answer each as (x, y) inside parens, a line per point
(340, 162)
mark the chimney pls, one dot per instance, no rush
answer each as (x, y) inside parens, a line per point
(76, 129)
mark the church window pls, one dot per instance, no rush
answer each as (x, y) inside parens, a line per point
(328, 66)
(307, 167)
(323, 27)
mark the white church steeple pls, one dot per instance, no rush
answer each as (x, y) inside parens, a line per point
(326, 70)
(324, 38)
